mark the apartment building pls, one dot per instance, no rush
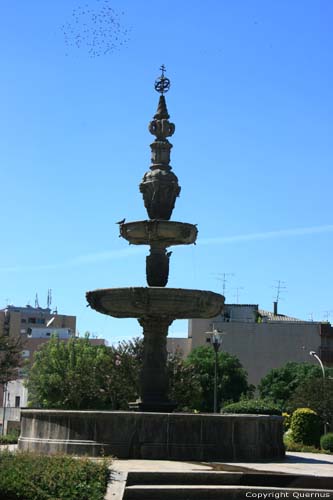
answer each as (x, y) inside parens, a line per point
(261, 339)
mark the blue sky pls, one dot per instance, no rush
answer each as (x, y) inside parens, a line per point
(251, 98)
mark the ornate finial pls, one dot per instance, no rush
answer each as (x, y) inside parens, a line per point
(162, 84)
(159, 186)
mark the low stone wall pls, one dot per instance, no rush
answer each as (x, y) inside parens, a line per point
(167, 436)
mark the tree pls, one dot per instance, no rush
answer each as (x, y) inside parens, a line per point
(184, 383)
(10, 357)
(314, 393)
(78, 375)
(280, 383)
(123, 373)
(231, 376)
(69, 375)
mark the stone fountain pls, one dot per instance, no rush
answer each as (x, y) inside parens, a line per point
(156, 306)
(151, 430)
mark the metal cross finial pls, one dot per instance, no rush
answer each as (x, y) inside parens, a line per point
(162, 84)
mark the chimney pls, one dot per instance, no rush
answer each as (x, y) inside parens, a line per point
(275, 310)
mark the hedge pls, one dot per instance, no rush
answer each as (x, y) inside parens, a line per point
(26, 476)
(253, 406)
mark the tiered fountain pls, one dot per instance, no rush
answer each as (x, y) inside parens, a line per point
(156, 306)
(152, 430)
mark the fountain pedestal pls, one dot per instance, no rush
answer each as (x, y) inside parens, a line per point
(154, 377)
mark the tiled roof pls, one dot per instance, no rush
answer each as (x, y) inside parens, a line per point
(279, 317)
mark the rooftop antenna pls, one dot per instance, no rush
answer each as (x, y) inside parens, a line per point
(49, 298)
(237, 293)
(327, 315)
(279, 289)
(36, 301)
(223, 277)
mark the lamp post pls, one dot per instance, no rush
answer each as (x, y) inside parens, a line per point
(216, 341)
(315, 355)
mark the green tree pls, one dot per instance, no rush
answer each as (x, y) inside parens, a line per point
(69, 375)
(123, 373)
(184, 383)
(317, 394)
(78, 375)
(10, 357)
(280, 383)
(231, 376)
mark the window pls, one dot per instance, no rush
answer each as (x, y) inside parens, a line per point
(40, 321)
(17, 401)
(25, 354)
(23, 320)
(32, 320)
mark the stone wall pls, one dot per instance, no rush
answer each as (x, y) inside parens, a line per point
(167, 436)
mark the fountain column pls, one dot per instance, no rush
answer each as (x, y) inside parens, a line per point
(154, 377)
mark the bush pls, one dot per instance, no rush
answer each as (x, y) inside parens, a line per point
(252, 406)
(326, 441)
(10, 438)
(286, 421)
(305, 426)
(25, 476)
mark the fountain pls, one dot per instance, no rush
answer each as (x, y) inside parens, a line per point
(156, 306)
(151, 430)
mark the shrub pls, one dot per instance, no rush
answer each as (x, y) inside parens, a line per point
(252, 406)
(326, 441)
(305, 426)
(10, 438)
(25, 476)
(286, 421)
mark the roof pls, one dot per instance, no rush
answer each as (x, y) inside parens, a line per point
(279, 317)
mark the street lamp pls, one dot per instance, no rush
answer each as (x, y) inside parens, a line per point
(315, 355)
(215, 339)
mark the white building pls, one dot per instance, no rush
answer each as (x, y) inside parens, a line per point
(262, 340)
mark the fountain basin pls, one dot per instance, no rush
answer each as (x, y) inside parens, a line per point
(153, 436)
(138, 302)
(162, 232)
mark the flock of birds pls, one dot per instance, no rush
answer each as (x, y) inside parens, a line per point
(97, 29)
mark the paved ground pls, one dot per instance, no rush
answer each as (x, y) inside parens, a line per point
(298, 463)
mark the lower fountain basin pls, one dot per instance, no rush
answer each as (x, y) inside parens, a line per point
(137, 302)
(153, 436)
(164, 232)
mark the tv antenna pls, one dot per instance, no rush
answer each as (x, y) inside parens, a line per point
(49, 298)
(36, 301)
(223, 277)
(279, 289)
(238, 288)
(327, 315)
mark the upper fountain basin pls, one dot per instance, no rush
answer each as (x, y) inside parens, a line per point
(138, 302)
(161, 232)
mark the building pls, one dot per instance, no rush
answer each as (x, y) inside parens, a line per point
(262, 340)
(17, 320)
(35, 325)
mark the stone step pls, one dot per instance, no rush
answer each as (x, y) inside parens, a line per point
(229, 478)
(217, 492)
